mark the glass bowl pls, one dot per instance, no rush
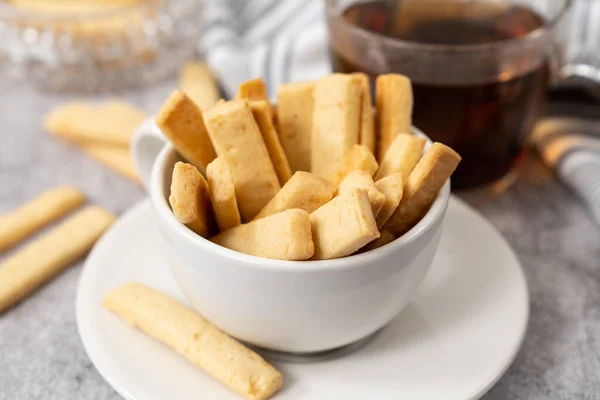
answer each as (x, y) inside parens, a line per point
(93, 50)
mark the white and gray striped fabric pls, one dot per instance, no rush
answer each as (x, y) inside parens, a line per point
(280, 40)
(286, 41)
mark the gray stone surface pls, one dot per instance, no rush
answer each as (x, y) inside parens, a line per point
(41, 356)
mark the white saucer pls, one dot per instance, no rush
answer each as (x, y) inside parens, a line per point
(454, 341)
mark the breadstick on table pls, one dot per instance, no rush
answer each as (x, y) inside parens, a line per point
(343, 226)
(190, 199)
(295, 105)
(402, 156)
(394, 100)
(304, 191)
(263, 114)
(113, 122)
(46, 256)
(222, 194)
(336, 122)
(359, 157)
(196, 80)
(422, 187)
(191, 335)
(37, 213)
(367, 118)
(392, 187)
(180, 120)
(282, 236)
(359, 179)
(236, 137)
(117, 158)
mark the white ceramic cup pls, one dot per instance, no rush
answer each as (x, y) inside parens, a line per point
(290, 306)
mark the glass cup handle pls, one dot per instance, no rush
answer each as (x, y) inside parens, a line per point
(581, 72)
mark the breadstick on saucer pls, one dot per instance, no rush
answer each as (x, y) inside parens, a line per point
(196, 80)
(336, 122)
(46, 256)
(116, 158)
(254, 89)
(359, 157)
(343, 225)
(263, 114)
(222, 194)
(283, 236)
(180, 120)
(304, 191)
(402, 156)
(367, 118)
(295, 105)
(362, 180)
(191, 335)
(422, 187)
(392, 187)
(394, 99)
(236, 137)
(37, 213)
(111, 123)
(190, 199)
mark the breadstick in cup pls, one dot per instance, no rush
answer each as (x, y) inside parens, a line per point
(190, 199)
(343, 226)
(422, 187)
(304, 191)
(362, 180)
(394, 100)
(336, 122)
(359, 157)
(402, 156)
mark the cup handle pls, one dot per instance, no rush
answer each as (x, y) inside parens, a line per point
(146, 143)
(582, 72)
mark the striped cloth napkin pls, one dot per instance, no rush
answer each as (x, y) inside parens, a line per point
(280, 40)
(286, 41)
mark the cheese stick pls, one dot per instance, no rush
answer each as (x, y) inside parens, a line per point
(402, 156)
(385, 238)
(236, 137)
(192, 336)
(283, 236)
(222, 194)
(254, 89)
(359, 157)
(422, 187)
(367, 118)
(46, 256)
(304, 191)
(190, 199)
(181, 122)
(37, 213)
(394, 100)
(362, 180)
(392, 187)
(336, 122)
(263, 114)
(196, 80)
(343, 225)
(116, 158)
(113, 122)
(295, 105)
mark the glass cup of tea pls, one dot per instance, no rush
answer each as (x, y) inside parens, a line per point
(480, 68)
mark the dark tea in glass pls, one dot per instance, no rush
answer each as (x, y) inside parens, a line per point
(480, 70)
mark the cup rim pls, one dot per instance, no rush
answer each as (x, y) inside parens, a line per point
(532, 36)
(163, 209)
